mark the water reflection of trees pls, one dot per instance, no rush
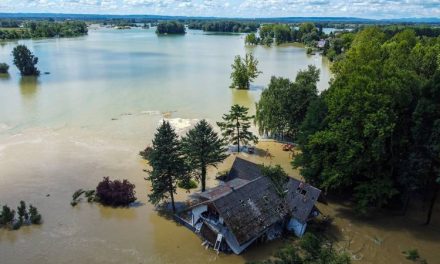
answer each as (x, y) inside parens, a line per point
(244, 98)
(29, 86)
(5, 76)
(122, 213)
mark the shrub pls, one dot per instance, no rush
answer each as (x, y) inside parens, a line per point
(22, 213)
(187, 184)
(115, 193)
(4, 68)
(35, 217)
(25, 217)
(412, 254)
(7, 215)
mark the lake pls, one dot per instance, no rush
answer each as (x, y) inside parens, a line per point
(99, 106)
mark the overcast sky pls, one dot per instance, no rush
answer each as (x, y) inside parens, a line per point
(233, 8)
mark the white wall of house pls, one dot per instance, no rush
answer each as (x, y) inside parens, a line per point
(197, 211)
(296, 227)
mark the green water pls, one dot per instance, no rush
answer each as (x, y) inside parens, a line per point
(110, 72)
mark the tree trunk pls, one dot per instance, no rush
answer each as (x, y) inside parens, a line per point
(431, 206)
(238, 136)
(203, 177)
(172, 195)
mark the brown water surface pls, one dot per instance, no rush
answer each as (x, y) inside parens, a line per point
(101, 104)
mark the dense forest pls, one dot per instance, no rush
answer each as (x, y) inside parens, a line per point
(170, 27)
(224, 26)
(43, 29)
(374, 135)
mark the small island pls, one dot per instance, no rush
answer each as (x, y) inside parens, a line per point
(224, 26)
(170, 27)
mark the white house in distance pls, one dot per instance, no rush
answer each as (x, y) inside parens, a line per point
(245, 207)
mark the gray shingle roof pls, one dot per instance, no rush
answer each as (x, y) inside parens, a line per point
(251, 209)
(249, 203)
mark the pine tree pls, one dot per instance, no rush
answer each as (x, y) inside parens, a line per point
(235, 127)
(203, 148)
(168, 166)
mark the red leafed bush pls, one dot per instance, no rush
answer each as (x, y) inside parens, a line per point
(115, 193)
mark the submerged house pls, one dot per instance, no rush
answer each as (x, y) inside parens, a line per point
(246, 207)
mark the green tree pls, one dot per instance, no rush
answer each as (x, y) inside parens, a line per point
(168, 165)
(7, 215)
(4, 68)
(203, 148)
(251, 39)
(425, 158)
(25, 60)
(34, 216)
(22, 212)
(283, 105)
(170, 27)
(362, 144)
(244, 71)
(235, 127)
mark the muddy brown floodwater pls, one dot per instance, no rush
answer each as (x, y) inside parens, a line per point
(105, 96)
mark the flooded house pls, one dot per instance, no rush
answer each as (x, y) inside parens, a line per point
(245, 207)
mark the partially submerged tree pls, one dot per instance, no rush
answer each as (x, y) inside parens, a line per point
(251, 39)
(244, 71)
(25, 61)
(283, 105)
(114, 193)
(168, 165)
(203, 148)
(235, 127)
(4, 67)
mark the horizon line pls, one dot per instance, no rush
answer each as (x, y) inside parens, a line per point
(219, 17)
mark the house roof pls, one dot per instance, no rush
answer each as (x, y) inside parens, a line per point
(244, 169)
(250, 209)
(249, 204)
(222, 189)
(301, 198)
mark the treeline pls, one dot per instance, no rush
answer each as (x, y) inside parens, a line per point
(170, 27)
(374, 135)
(45, 29)
(10, 23)
(224, 26)
(283, 33)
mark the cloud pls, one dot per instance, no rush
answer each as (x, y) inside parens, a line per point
(228, 8)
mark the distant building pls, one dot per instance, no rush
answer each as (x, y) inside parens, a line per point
(321, 43)
(246, 207)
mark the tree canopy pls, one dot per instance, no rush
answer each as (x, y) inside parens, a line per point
(235, 126)
(244, 71)
(45, 29)
(357, 137)
(25, 60)
(283, 105)
(170, 27)
(224, 26)
(203, 148)
(168, 165)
